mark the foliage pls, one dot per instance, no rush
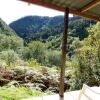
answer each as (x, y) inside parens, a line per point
(54, 42)
(17, 93)
(37, 27)
(33, 63)
(88, 60)
(15, 43)
(10, 42)
(79, 27)
(5, 29)
(53, 58)
(24, 53)
(37, 51)
(10, 57)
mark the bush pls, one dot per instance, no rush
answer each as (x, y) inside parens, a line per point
(37, 51)
(24, 53)
(17, 93)
(10, 57)
(10, 42)
(33, 63)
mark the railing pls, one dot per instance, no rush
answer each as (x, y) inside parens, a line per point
(82, 92)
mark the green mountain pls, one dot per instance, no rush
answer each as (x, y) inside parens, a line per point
(5, 29)
(37, 27)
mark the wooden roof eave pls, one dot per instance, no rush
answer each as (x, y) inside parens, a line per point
(90, 5)
(59, 8)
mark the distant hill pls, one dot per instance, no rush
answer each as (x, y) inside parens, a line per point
(5, 29)
(37, 27)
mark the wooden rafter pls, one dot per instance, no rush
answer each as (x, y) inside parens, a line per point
(76, 12)
(90, 5)
(56, 7)
(45, 4)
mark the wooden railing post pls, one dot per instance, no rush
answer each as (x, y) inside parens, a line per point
(63, 57)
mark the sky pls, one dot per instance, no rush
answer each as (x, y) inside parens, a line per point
(11, 10)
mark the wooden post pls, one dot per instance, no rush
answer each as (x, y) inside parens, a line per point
(63, 57)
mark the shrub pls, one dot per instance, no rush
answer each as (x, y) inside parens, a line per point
(33, 63)
(17, 93)
(10, 57)
(53, 58)
(37, 51)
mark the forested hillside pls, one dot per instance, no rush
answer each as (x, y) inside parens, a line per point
(30, 56)
(36, 27)
(50, 29)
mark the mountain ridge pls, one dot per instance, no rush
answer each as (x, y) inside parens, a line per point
(42, 27)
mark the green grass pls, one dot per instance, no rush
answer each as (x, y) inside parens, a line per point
(17, 93)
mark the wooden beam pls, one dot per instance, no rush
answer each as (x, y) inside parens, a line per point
(90, 5)
(45, 4)
(82, 14)
(59, 8)
(63, 57)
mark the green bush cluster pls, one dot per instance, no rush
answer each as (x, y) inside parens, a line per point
(87, 60)
(17, 93)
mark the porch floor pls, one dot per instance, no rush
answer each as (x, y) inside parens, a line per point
(73, 95)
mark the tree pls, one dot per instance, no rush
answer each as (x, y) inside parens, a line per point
(15, 42)
(53, 58)
(37, 51)
(87, 69)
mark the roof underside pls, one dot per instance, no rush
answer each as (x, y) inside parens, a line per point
(85, 8)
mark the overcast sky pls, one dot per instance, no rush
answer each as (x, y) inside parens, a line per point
(11, 10)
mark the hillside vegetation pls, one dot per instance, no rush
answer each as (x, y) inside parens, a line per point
(30, 56)
(36, 27)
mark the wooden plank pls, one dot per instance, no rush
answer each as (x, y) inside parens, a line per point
(59, 8)
(82, 14)
(45, 4)
(90, 5)
(82, 92)
(63, 57)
